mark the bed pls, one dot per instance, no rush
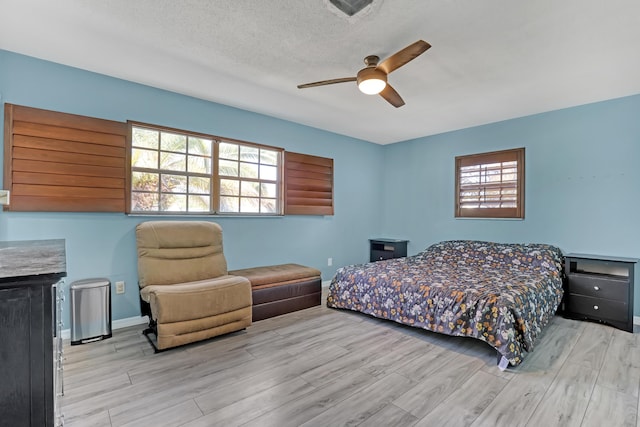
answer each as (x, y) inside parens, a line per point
(503, 294)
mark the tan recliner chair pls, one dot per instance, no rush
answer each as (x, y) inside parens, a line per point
(184, 286)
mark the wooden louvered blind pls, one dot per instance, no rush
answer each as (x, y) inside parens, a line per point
(308, 184)
(490, 185)
(59, 162)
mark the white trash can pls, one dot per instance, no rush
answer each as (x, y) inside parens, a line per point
(90, 310)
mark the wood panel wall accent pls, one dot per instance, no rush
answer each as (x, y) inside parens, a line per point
(308, 182)
(58, 162)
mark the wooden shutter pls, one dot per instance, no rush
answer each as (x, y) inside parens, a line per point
(490, 185)
(308, 182)
(59, 162)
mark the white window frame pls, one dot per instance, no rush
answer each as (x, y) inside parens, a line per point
(269, 163)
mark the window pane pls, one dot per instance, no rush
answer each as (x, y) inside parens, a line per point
(173, 162)
(228, 168)
(145, 138)
(267, 190)
(200, 146)
(173, 202)
(198, 185)
(229, 187)
(269, 173)
(268, 157)
(248, 170)
(144, 202)
(173, 142)
(144, 159)
(251, 189)
(249, 154)
(229, 204)
(199, 203)
(199, 164)
(173, 184)
(249, 205)
(268, 205)
(228, 151)
(144, 181)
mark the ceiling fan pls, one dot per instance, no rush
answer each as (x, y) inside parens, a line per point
(372, 79)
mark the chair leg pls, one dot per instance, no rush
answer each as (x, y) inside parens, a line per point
(145, 310)
(146, 333)
(152, 329)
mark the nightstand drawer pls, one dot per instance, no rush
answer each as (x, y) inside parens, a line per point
(381, 255)
(599, 308)
(599, 286)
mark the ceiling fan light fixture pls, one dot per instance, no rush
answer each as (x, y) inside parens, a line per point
(371, 81)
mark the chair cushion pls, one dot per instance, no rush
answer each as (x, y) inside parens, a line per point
(197, 300)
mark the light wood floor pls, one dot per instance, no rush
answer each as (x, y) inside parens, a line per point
(324, 367)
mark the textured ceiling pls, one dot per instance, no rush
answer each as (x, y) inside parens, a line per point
(491, 60)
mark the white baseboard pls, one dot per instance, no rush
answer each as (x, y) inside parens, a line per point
(636, 320)
(326, 283)
(116, 324)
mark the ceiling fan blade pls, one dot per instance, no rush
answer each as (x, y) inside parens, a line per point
(392, 97)
(403, 56)
(327, 82)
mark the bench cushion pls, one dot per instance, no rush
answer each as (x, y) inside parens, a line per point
(276, 275)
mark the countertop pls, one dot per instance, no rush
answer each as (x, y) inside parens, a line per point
(32, 257)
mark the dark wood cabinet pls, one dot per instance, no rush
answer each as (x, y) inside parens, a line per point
(600, 288)
(387, 248)
(27, 329)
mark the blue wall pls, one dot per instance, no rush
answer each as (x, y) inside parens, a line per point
(103, 245)
(582, 182)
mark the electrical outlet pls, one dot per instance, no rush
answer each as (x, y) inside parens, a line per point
(119, 287)
(329, 262)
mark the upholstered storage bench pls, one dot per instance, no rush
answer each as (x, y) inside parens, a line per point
(280, 289)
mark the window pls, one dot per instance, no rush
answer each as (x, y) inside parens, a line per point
(490, 185)
(249, 179)
(179, 172)
(59, 162)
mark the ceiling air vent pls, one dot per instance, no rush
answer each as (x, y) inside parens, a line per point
(351, 7)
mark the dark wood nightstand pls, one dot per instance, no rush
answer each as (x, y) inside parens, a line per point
(387, 249)
(600, 288)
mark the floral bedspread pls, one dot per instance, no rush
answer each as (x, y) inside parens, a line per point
(503, 294)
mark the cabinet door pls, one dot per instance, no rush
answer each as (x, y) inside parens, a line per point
(15, 332)
(26, 355)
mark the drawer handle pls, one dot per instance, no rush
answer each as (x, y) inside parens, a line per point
(595, 307)
(596, 288)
